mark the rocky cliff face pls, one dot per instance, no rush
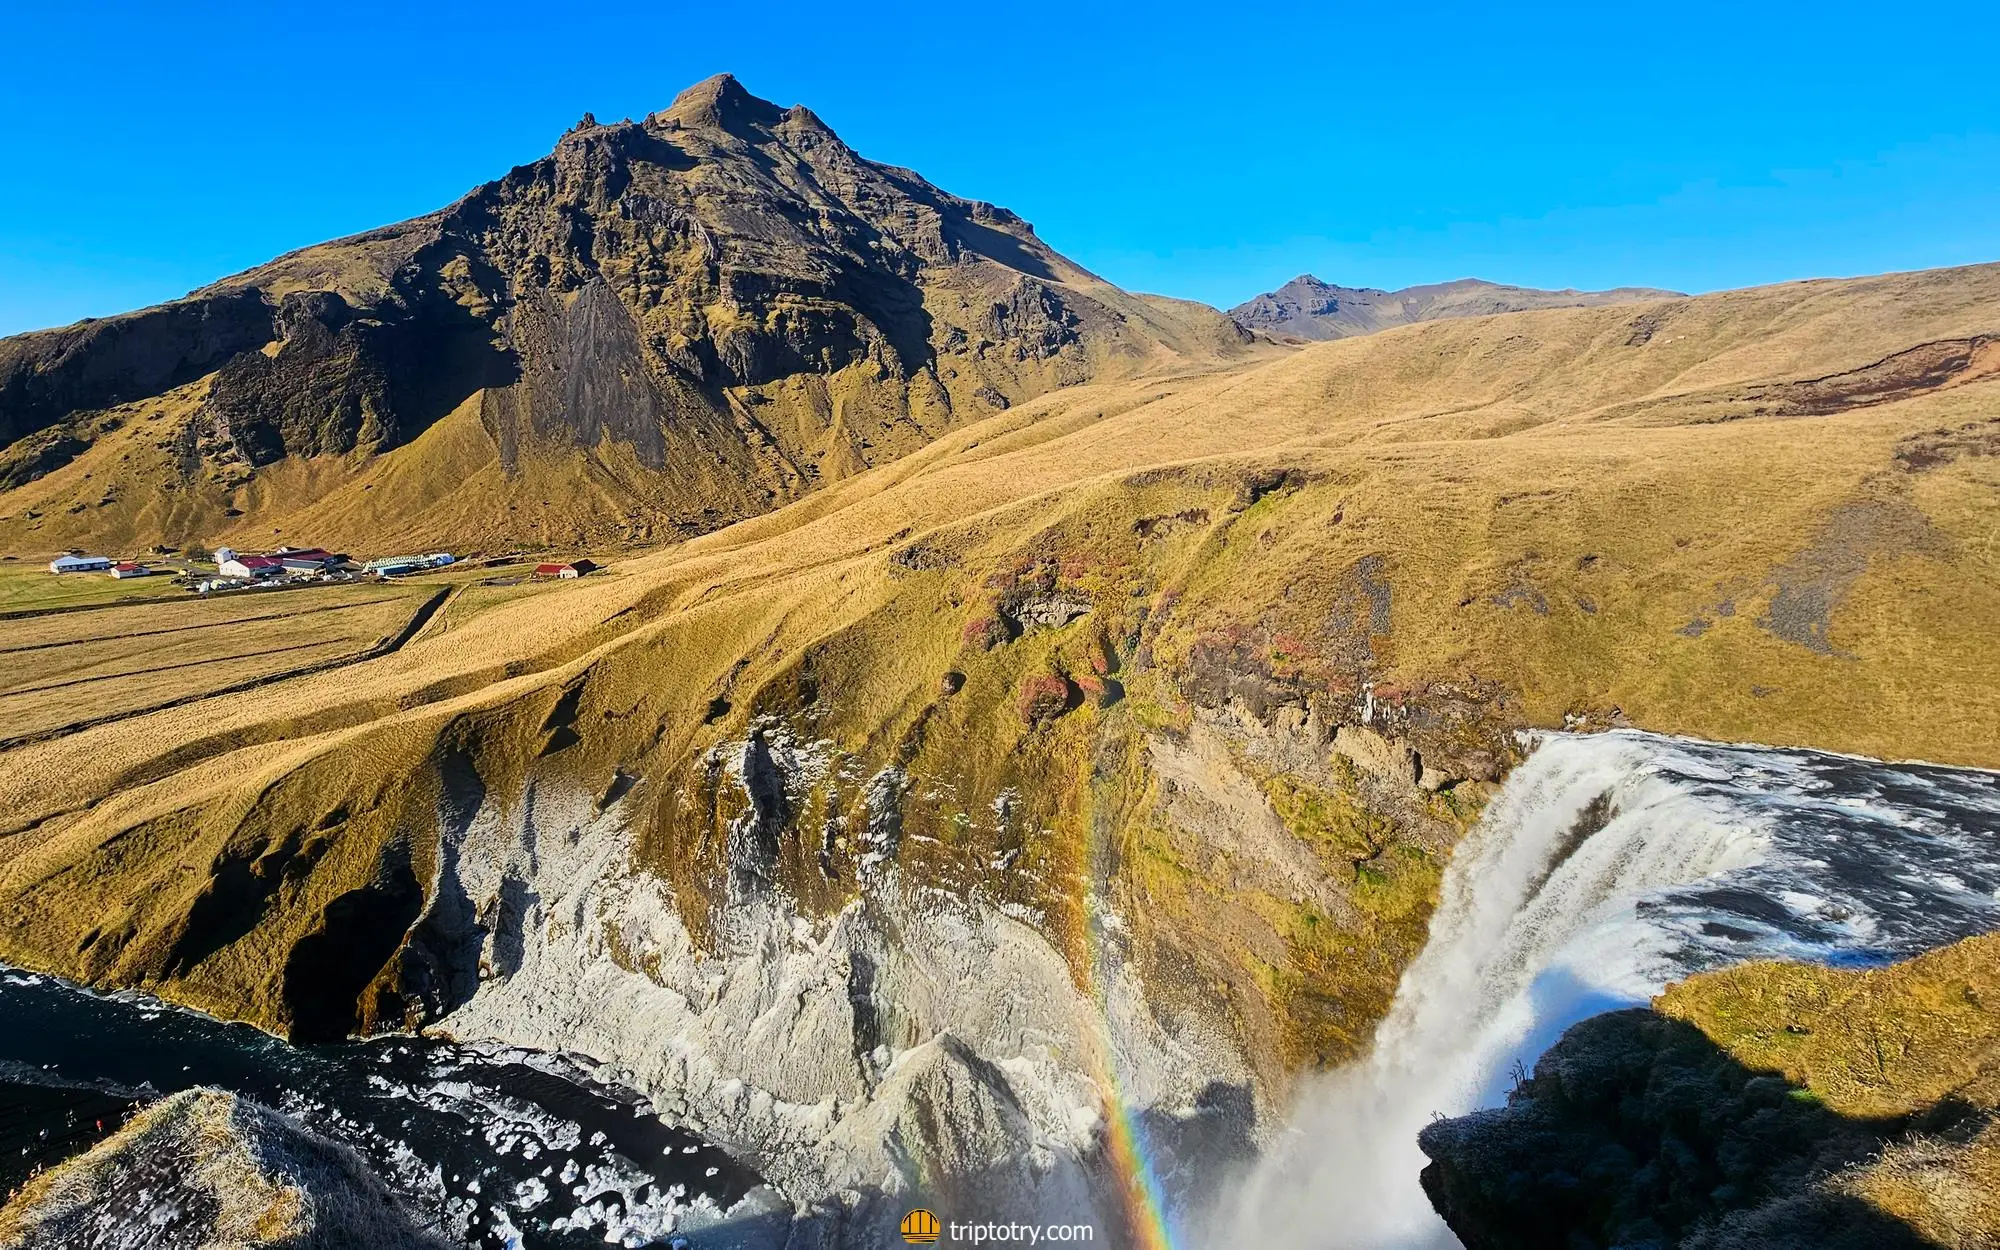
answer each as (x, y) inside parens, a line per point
(887, 905)
(717, 307)
(1307, 308)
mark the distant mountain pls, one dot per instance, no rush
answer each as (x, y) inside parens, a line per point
(661, 327)
(1307, 308)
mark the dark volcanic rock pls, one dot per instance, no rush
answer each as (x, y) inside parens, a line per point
(1635, 1130)
(49, 374)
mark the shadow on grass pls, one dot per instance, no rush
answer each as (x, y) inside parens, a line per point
(1638, 1131)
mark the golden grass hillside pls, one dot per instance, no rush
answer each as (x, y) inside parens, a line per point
(1916, 1044)
(1761, 515)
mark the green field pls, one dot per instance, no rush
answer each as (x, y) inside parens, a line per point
(28, 586)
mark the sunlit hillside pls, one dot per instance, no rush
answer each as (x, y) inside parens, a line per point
(1764, 514)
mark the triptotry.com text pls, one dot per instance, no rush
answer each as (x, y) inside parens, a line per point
(1020, 1234)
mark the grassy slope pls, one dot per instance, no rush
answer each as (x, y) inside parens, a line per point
(154, 471)
(1770, 1105)
(1916, 1042)
(1533, 512)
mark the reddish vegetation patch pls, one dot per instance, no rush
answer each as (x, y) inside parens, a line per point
(1045, 697)
(984, 632)
(1099, 691)
(1926, 367)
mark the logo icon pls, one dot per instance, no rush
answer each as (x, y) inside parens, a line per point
(921, 1228)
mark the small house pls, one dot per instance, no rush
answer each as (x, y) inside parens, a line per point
(575, 568)
(251, 566)
(79, 564)
(125, 570)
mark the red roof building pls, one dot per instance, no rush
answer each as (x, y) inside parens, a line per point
(309, 558)
(251, 566)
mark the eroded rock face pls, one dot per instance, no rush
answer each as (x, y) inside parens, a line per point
(94, 364)
(915, 1045)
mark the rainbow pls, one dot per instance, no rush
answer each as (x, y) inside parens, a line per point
(1143, 1196)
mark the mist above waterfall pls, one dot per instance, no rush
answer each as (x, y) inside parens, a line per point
(1609, 865)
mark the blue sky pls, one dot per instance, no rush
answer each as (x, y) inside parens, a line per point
(1208, 151)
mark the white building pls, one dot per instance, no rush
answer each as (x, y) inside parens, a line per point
(250, 566)
(79, 564)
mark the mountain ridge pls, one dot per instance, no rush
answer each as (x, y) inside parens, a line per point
(1314, 310)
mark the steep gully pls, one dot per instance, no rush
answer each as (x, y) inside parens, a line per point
(1608, 865)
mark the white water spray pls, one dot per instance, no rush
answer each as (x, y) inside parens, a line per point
(1609, 865)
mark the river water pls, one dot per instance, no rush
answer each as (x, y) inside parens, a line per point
(1610, 865)
(494, 1147)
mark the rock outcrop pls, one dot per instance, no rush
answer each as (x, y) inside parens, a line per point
(1776, 1106)
(206, 1170)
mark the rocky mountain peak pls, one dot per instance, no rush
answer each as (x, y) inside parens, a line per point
(726, 295)
(720, 103)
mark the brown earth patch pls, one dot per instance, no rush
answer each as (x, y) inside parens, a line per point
(1916, 371)
(1920, 453)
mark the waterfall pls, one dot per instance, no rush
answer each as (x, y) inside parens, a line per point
(1609, 865)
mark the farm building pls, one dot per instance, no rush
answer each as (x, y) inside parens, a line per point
(79, 564)
(250, 566)
(575, 568)
(307, 559)
(122, 571)
(396, 566)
